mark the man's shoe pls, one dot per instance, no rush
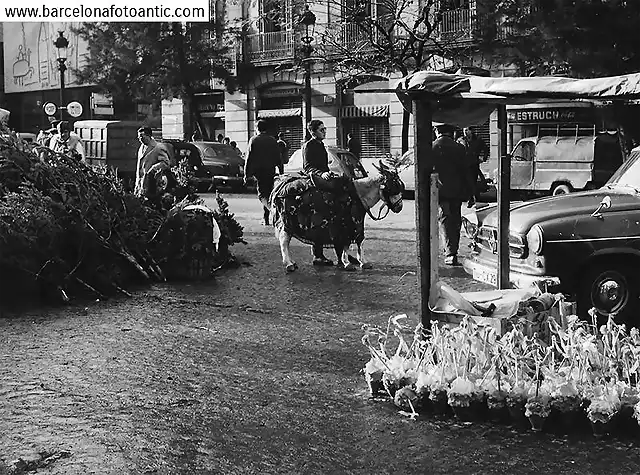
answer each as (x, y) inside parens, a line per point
(451, 261)
(322, 261)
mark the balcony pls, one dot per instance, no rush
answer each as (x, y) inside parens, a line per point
(465, 25)
(271, 47)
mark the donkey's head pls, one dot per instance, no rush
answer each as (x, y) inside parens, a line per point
(391, 187)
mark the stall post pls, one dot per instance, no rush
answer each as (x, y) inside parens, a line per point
(504, 186)
(427, 264)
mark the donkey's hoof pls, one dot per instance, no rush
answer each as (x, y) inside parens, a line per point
(348, 267)
(366, 265)
(291, 268)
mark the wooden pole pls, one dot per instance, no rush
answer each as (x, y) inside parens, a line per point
(504, 186)
(423, 170)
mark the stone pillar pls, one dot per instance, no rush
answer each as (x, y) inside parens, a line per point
(175, 119)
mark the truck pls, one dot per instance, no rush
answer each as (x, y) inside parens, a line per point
(563, 162)
(111, 143)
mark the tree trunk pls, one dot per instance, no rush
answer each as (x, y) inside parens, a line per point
(195, 119)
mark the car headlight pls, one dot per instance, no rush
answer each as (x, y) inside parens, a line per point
(470, 229)
(535, 240)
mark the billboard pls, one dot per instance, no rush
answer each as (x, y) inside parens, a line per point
(30, 62)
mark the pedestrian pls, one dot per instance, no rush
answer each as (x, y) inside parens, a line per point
(196, 136)
(450, 163)
(151, 156)
(477, 153)
(354, 145)
(234, 144)
(284, 151)
(227, 141)
(67, 142)
(263, 156)
(315, 163)
(220, 138)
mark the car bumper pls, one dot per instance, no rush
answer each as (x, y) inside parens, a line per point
(487, 273)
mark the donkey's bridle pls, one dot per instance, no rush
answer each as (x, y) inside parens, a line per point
(396, 186)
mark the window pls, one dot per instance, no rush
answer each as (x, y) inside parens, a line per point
(276, 15)
(524, 152)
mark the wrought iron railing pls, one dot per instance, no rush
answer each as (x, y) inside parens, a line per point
(272, 46)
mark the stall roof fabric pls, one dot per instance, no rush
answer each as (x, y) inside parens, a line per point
(467, 100)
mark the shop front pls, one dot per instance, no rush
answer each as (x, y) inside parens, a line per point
(210, 105)
(281, 106)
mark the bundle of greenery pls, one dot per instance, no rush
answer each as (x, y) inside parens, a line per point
(67, 228)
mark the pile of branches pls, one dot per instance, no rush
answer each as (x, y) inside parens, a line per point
(69, 229)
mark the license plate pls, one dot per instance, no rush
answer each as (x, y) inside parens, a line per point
(485, 275)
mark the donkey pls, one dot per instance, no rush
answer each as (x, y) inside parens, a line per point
(311, 215)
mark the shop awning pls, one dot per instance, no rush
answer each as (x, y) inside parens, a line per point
(376, 110)
(270, 113)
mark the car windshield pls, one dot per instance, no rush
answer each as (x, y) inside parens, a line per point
(629, 173)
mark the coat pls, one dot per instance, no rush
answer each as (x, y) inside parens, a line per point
(450, 163)
(263, 156)
(148, 156)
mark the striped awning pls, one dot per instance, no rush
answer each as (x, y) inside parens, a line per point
(375, 110)
(270, 113)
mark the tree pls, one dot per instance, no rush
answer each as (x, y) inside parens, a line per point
(152, 61)
(580, 38)
(375, 37)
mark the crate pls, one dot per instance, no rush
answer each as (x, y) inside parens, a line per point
(531, 323)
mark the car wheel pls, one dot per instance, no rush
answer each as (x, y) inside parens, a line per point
(612, 289)
(561, 189)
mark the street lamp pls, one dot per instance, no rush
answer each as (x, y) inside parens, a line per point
(61, 44)
(308, 19)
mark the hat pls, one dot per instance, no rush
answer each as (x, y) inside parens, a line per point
(444, 128)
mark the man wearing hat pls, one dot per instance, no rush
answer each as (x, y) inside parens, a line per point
(455, 187)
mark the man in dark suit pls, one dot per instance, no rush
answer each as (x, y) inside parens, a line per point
(263, 156)
(450, 163)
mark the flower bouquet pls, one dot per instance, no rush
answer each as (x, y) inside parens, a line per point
(373, 372)
(566, 406)
(400, 372)
(537, 409)
(438, 397)
(460, 396)
(406, 398)
(516, 400)
(604, 405)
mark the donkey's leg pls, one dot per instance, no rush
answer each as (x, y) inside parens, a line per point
(363, 264)
(343, 257)
(285, 239)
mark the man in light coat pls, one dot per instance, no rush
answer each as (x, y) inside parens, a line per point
(151, 156)
(67, 142)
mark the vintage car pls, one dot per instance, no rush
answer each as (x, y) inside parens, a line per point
(586, 244)
(214, 164)
(341, 161)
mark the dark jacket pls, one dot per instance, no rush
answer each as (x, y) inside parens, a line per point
(263, 155)
(315, 160)
(450, 163)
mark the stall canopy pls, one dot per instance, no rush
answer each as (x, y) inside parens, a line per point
(467, 100)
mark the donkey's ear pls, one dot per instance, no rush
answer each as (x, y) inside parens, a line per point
(379, 168)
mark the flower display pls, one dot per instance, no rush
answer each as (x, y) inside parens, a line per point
(579, 369)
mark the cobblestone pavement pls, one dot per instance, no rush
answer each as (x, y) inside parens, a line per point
(255, 371)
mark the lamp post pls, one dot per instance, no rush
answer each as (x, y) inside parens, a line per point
(61, 44)
(308, 19)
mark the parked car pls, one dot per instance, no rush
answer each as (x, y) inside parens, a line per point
(586, 244)
(214, 164)
(341, 161)
(407, 173)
